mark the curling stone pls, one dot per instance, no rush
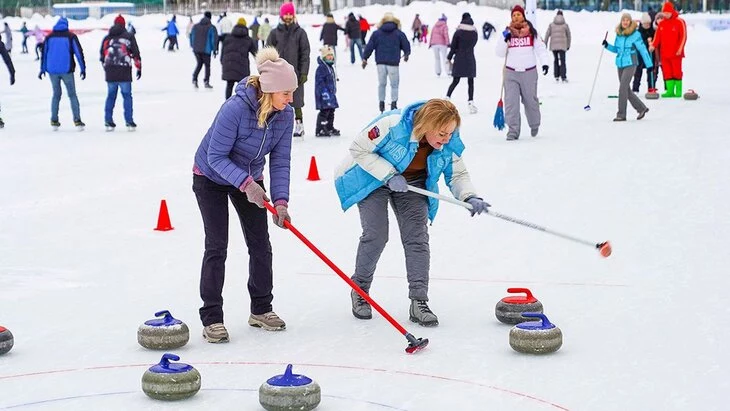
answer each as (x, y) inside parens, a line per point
(691, 95)
(163, 333)
(535, 337)
(171, 381)
(509, 309)
(288, 392)
(652, 95)
(6, 340)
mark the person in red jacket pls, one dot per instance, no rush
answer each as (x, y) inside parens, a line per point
(364, 28)
(670, 38)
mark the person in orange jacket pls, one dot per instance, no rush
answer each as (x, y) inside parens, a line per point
(670, 38)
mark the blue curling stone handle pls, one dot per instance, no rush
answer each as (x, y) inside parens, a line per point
(166, 320)
(289, 379)
(166, 367)
(543, 324)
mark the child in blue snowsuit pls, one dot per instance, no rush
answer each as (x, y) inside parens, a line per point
(325, 91)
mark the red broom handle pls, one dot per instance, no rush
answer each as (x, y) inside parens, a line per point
(339, 272)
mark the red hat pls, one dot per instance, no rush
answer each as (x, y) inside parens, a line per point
(119, 20)
(519, 8)
(287, 8)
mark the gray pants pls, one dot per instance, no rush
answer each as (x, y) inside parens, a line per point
(520, 84)
(388, 73)
(411, 211)
(626, 76)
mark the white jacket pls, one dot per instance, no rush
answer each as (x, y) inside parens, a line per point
(225, 26)
(523, 52)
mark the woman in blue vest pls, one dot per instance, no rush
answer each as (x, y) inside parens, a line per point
(415, 147)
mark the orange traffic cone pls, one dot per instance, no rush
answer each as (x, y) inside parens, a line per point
(163, 220)
(313, 173)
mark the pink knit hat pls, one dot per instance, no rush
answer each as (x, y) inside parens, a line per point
(275, 74)
(287, 8)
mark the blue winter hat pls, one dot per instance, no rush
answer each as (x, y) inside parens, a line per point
(443, 17)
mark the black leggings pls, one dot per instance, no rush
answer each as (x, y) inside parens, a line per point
(469, 82)
(229, 88)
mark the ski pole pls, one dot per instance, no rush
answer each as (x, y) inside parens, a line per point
(414, 344)
(590, 97)
(604, 248)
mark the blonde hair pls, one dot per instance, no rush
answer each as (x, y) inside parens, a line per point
(266, 103)
(433, 115)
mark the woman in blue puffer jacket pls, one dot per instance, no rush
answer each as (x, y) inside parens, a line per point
(628, 43)
(230, 163)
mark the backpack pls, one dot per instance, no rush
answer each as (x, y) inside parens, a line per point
(116, 52)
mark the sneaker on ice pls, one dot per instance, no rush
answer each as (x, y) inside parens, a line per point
(79, 124)
(298, 129)
(131, 126)
(421, 314)
(55, 124)
(268, 321)
(215, 333)
(360, 308)
(109, 125)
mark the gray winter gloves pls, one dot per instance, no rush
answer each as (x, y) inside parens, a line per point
(282, 214)
(254, 192)
(397, 183)
(478, 206)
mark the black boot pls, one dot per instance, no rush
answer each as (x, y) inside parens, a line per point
(394, 105)
(382, 107)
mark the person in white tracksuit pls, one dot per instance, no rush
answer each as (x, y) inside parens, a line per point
(522, 48)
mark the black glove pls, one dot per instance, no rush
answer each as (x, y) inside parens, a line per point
(83, 75)
(12, 78)
(139, 74)
(544, 70)
(507, 37)
(405, 58)
(364, 63)
(605, 43)
(215, 53)
(40, 76)
(302, 79)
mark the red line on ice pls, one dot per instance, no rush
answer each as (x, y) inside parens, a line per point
(346, 367)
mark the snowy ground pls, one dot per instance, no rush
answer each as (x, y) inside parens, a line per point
(81, 267)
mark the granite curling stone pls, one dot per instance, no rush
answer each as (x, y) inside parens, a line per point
(536, 337)
(652, 95)
(691, 95)
(6, 340)
(164, 333)
(171, 381)
(289, 391)
(509, 309)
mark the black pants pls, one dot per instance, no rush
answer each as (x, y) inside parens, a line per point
(229, 87)
(203, 60)
(363, 34)
(650, 79)
(325, 119)
(455, 82)
(559, 69)
(213, 203)
(173, 43)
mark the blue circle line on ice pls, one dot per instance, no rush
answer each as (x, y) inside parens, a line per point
(482, 280)
(334, 366)
(111, 394)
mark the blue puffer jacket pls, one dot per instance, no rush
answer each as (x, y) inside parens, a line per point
(325, 89)
(172, 28)
(387, 42)
(58, 50)
(234, 146)
(626, 46)
(388, 137)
